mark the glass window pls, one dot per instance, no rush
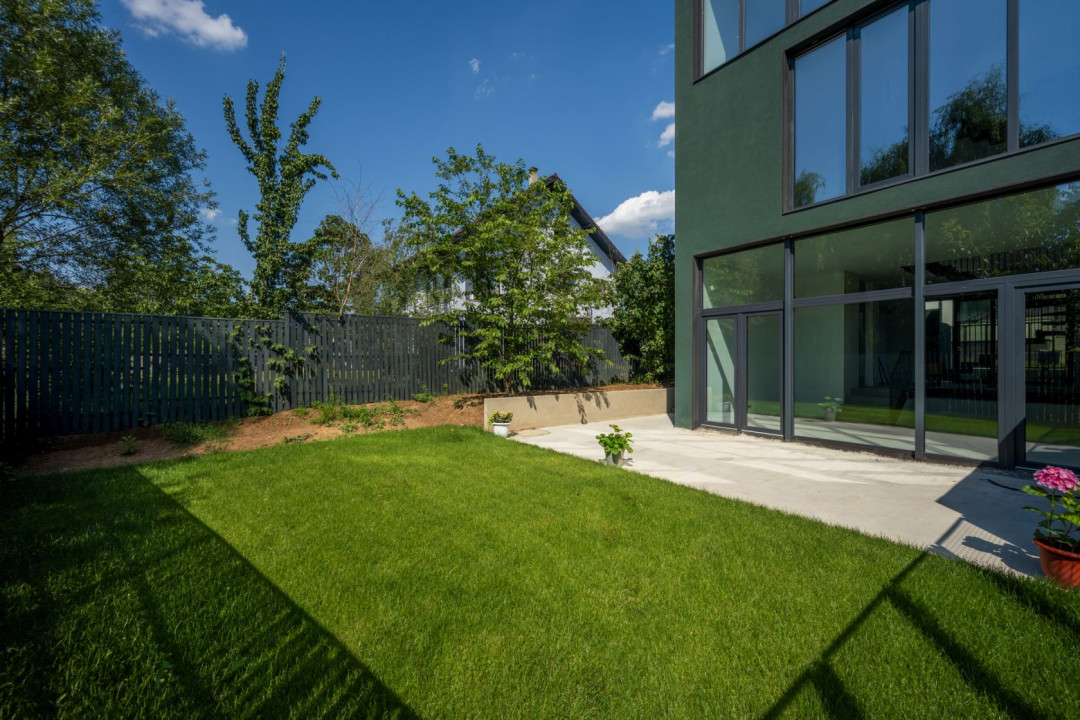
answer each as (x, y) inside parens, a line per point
(855, 374)
(763, 379)
(1052, 377)
(720, 371)
(1031, 232)
(1049, 71)
(820, 122)
(742, 278)
(809, 6)
(763, 18)
(878, 257)
(968, 90)
(720, 32)
(884, 98)
(961, 376)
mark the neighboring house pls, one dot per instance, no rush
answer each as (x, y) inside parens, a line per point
(879, 209)
(606, 256)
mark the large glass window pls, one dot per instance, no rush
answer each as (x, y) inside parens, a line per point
(809, 6)
(962, 376)
(763, 372)
(1052, 377)
(1049, 71)
(1031, 232)
(884, 98)
(878, 257)
(968, 88)
(742, 278)
(720, 32)
(763, 18)
(720, 371)
(820, 122)
(855, 374)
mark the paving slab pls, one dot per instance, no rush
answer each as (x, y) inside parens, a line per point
(974, 514)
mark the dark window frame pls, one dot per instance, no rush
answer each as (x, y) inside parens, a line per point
(792, 14)
(918, 106)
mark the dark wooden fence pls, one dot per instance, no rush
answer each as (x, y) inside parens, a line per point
(72, 372)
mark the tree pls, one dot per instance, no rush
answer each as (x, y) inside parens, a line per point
(94, 168)
(642, 297)
(282, 268)
(523, 264)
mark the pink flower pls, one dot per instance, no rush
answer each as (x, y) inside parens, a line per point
(1057, 478)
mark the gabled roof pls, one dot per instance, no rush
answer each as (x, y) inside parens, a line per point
(584, 219)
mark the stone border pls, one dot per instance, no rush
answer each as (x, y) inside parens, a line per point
(537, 411)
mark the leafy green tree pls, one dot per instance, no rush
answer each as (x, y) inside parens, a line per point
(282, 268)
(642, 298)
(523, 263)
(94, 167)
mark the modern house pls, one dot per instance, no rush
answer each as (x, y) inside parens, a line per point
(879, 210)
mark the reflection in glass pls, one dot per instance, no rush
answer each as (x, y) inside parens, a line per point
(1031, 232)
(763, 372)
(877, 257)
(883, 81)
(968, 92)
(961, 376)
(720, 32)
(820, 122)
(863, 354)
(741, 278)
(1049, 71)
(720, 371)
(809, 6)
(1052, 377)
(763, 18)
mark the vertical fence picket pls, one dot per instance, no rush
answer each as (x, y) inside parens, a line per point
(7, 433)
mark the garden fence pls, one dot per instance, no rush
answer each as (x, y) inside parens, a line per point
(89, 372)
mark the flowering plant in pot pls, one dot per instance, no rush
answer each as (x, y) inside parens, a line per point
(830, 408)
(616, 444)
(500, 423)
(1057, 535)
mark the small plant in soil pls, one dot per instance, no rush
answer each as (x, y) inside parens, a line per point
(295, 439)
(194, 433)
(424, 396)
(500, 417)
(127, 445)
(616, 441)
(349, 428)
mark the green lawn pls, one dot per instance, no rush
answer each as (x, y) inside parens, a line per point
(449, 574)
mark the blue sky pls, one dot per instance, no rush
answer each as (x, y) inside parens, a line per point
(583, 89)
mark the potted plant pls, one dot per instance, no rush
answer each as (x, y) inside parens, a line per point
(830, 408)
(500, 423)
(616, 444)
(1059, 548)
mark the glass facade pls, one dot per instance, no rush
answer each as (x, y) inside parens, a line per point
(763, 18)
(720, 33)
(744, 278)
(820, 117)
(1049, 71)
(729, 27)
(720, 371)
(885, 98)
(1052, 377)
(763, 379)
(876, 257)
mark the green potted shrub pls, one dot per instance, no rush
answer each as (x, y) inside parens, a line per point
(1057, 535)
(830, 408)
(500, 423)
(616, 444)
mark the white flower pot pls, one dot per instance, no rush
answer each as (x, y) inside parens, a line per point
(617, 459)
(501, 429)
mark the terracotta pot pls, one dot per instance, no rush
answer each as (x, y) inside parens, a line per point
(1061, 566)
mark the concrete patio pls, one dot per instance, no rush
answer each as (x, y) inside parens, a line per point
(970, 513)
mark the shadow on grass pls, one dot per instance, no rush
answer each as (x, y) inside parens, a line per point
(119, 603)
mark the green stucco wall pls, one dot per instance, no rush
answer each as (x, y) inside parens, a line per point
(729, 165)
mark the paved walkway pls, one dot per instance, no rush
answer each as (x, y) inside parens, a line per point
(954, 511)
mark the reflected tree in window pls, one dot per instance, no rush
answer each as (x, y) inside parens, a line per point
(887, 162)
(807, 186)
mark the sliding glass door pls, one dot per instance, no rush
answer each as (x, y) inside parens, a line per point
(743, 372)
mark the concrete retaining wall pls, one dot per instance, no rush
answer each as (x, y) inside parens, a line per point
(537, 411)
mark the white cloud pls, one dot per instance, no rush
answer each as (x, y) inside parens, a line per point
(485, 89)
(664, 111)
(667, 48)
(209, 214)
(189, 20)
(642, 216)
(667, 137)
(474, 65)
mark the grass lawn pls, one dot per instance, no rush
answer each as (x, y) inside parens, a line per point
(446, 573)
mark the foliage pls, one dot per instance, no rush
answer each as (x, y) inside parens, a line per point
(371, 417)
(295, 439)
(642, 298)
(831, 404)
(523, 263)
(96, 186)
(424, 396)
(185, 434)
(616, 441)
(282, 268)
(127, 445)
(1059, 486)
(500, 417)
(807, 186)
